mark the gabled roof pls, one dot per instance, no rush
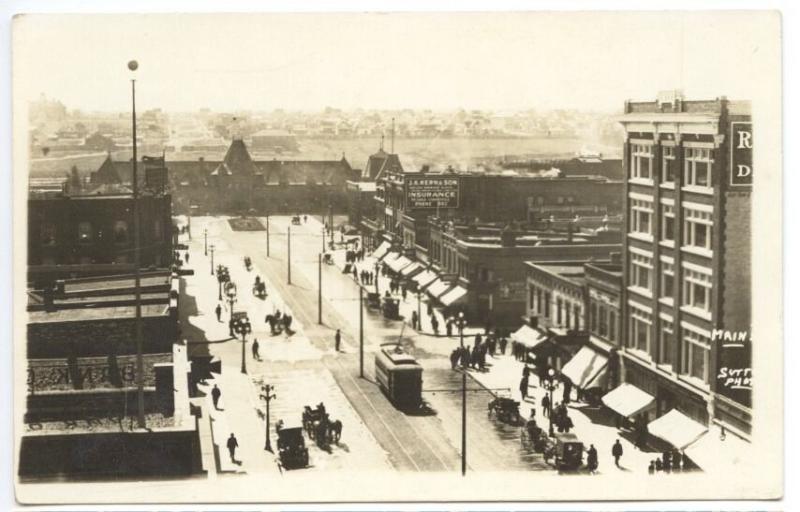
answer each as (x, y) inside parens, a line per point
(106, 174)
(237, 161)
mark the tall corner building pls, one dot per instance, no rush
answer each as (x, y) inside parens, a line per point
(686, 280)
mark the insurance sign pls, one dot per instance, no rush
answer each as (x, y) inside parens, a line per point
(431, 192)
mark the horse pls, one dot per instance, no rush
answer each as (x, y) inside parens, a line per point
(335, 430)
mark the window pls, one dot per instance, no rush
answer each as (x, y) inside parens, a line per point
(697, 167)
(640, 330)
(576, 312)
(547, 304)
(531, 298)
(641, 216)
(558, 312)
(697, 228)
(593, 318)
(538, 300)
(567, 322)
(84, 232)
(603, 324)
(665, 343)
(667, 279)
(668, 222)
(668, 166)
(612, 325)
(642, 162)
(120, 231)
(696, 348)
(641, 267)
(697, 289)
(47, 233)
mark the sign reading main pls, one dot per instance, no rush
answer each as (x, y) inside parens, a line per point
(431, 192)
(741, 153)
(734, 368)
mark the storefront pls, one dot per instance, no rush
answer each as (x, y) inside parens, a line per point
(588, 373)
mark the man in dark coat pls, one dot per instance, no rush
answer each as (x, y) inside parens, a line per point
(523, 387)
(616, 452)
(546, 405)
(338, 339)
(218, 311)
(232, 445)
(215, 394)
(591, 458)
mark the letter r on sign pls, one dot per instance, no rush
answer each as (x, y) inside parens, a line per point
(745, 140)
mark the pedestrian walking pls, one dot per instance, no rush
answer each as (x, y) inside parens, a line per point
(218, 311)
(215, 394)
(230, 327)
(455, 355)
(414, 320)
(186, 257)
(503, 344)
(591, 458)
(405, 292)
(616, 452)
(256, 355)
(232, 445)
(338, 339)
(449, 327)
(546, 405)
(435, 325)
(523, 387)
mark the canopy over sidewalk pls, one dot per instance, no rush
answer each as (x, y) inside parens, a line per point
(453, 295)
(528, 336)
(627, 400)
(381, 251)
(585, 367)
(677, 429)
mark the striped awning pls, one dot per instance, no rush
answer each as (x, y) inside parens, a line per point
(425, 278)
(438, 288)
(453, 295)
(411, 269)
(399, 263)
(584, 368)
(381, 251)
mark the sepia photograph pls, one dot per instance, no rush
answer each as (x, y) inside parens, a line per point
(360, 257)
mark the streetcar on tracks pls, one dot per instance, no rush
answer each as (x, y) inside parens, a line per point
(399, 375)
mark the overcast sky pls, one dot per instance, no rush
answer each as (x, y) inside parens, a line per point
(440, 61)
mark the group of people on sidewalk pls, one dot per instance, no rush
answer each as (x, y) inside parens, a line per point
(670, 462)
(476, 357)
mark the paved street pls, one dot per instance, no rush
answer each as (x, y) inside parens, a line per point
(304, 366)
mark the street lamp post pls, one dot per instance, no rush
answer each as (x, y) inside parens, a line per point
(323, 239)
(551, 386)
(205, 242)
(223, 276)
(360, 331)
(211, 248)
(268, 396)
(463, 399)
(133, 66)
(319, 289)
(289, 254)
(377, 273)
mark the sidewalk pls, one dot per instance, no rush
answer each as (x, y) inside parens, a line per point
(592, 426)
(409, 304)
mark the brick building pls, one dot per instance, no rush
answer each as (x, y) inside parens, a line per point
(91, 231)
(686, 270)
(82, 378)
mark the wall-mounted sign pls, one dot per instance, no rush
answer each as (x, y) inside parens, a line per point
(734, 377)
(431, 192)
(741, 170)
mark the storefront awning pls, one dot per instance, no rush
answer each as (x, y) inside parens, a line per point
(381, 251)
(528, 336)
(584, 367)
(677, 429)
(453, 295)
(399, 263)
(438, 288)
(719, 454)
(627, 400)
(411, 269)
(425, 278)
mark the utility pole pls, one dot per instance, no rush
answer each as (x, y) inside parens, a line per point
(319, 290)
(289, 254)
(361, 331)
(267, 236)
(133, 65)
(267, 397)
(463, 400)
(205, 242)
(323, 238)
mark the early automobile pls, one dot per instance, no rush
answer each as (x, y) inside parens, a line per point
(391, 308)
(373, 300)
(567, 452)
(506, 409)
(292, 446)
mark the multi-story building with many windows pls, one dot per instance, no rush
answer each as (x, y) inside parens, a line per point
(686, 273)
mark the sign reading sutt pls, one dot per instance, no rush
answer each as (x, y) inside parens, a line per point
(741, 153)
(431, 192)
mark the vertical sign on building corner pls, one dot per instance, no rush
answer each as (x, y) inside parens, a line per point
(741, 170)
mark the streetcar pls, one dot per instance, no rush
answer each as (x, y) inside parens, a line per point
(399, 375)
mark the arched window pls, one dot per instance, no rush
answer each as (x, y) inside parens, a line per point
(85, 232)
(120, 231)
